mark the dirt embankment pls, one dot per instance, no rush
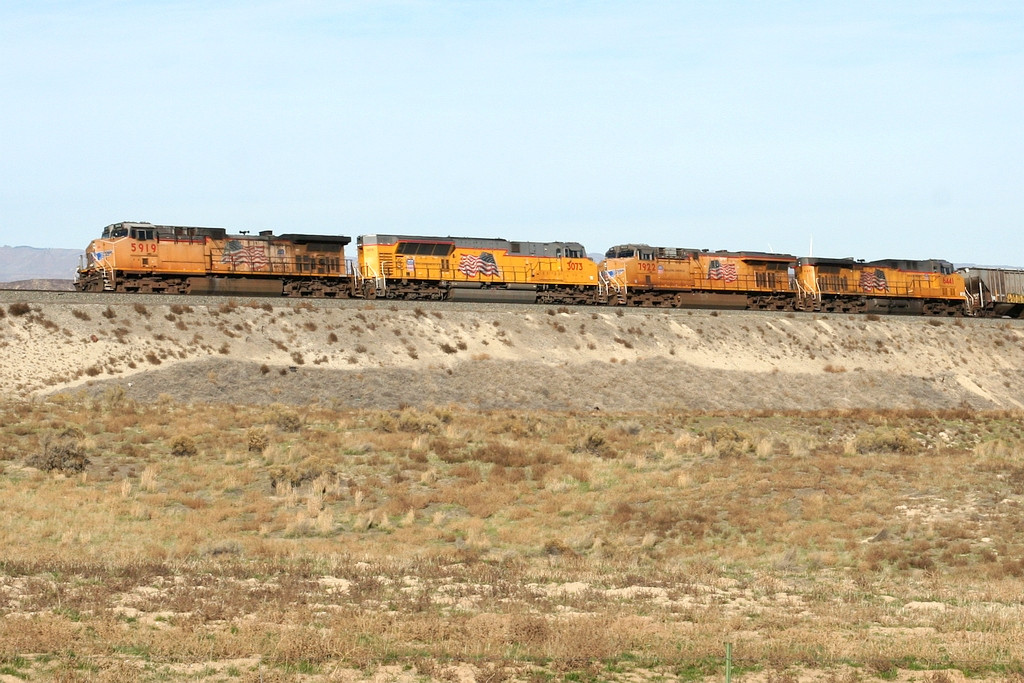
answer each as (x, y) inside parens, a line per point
(385, 354)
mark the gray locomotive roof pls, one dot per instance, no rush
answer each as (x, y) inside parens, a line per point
(168, 228)
(473, 242)
(933, 265)
(222, 233)
(755, 255)
(464, 242)
(316, 239)
(820, 261)
(669, 252)
(926, 265)
(679, 252)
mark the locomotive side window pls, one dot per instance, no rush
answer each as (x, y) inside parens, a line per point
(423, 249)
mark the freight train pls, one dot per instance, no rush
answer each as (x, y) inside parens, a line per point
(147, 258)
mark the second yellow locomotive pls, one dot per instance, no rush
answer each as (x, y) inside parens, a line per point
(472, 269)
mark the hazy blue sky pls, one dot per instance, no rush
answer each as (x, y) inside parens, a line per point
(883, 129)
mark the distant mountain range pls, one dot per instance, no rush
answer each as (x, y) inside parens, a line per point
(32, 263)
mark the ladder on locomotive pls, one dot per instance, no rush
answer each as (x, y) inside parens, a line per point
(379, 279)
(607, 282)
(108, 277)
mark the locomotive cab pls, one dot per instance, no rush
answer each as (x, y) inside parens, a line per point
(137, 231)
(642, 252)
(115, 231)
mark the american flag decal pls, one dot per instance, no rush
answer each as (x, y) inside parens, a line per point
(721, 271)
(873, 280)
(471, 265)
(252, 254)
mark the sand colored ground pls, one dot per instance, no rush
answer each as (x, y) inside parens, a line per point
(385, 354)
(549, 503)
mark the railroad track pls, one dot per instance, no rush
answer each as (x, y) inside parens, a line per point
(64, 297)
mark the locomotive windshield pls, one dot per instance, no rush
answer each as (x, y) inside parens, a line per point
(112, 231)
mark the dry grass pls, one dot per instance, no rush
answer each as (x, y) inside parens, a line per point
(533, 546)
(19, 308)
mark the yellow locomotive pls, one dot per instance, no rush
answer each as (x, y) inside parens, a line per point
(930, 287)
(142, 257)
(642, 275)
(472, 269)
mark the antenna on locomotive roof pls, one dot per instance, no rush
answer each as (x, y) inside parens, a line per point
(810, 248)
